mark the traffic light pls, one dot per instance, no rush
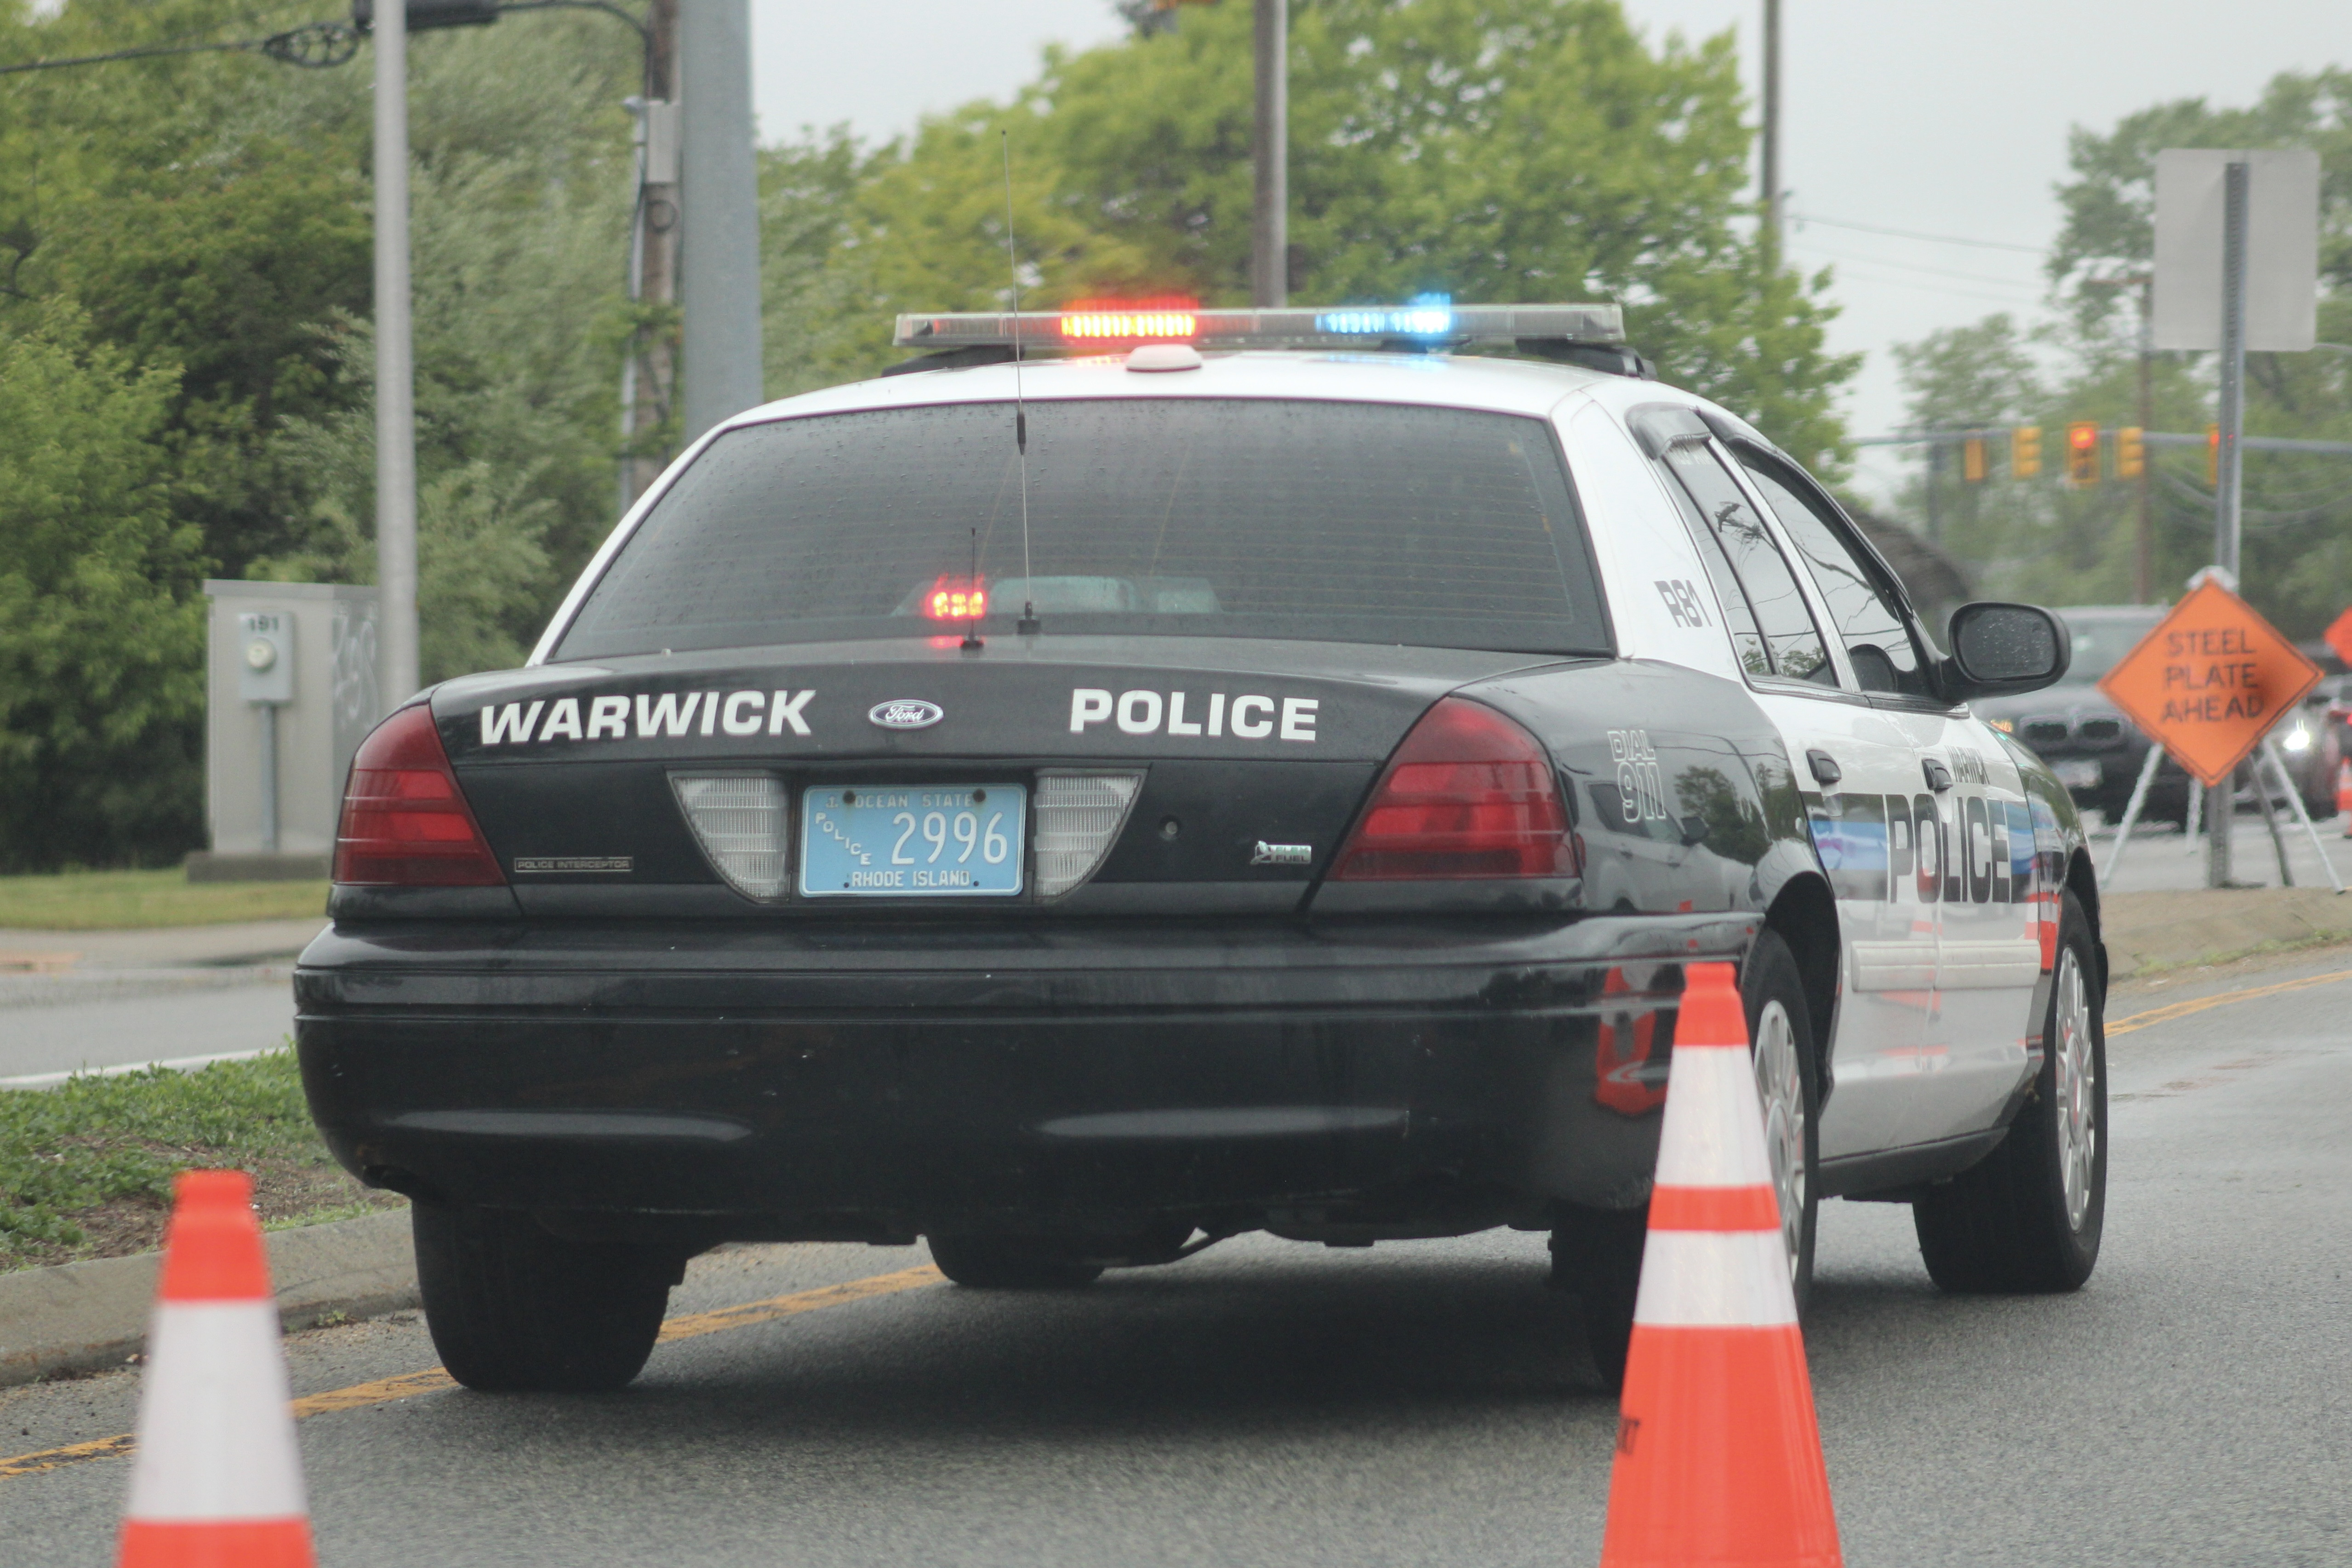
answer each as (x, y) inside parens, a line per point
(2131, 453)
(1972, 460)
(2025, 452)
(2212, 455)
(2082, 452)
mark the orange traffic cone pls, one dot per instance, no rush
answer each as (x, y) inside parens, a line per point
(217, 1482)
(1718, 1458)
(2343, 794)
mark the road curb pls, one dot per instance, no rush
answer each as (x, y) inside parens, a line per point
(81, 1317)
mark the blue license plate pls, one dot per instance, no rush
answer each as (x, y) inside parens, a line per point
(927, 841)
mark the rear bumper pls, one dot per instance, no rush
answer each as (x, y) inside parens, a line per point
(1401, 1079)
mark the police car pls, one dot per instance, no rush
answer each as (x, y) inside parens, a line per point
(1146, 776)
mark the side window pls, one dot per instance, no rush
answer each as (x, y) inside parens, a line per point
(1877, 642)
(1783, 640)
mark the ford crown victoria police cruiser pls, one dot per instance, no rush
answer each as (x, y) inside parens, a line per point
(1075, 810)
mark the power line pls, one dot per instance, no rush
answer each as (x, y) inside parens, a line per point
(1915, 266)
(1914, 234)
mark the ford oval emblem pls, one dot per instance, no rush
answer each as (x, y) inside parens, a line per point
(905, 713)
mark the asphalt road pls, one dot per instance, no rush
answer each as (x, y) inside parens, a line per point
(1418, 1403)
(59, 1023)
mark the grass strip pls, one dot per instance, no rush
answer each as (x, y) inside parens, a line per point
(86, 1168)
(136, 900)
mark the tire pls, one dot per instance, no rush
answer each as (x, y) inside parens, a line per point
(1011, 1262)
(1597, 1253)
(2029, 1216)
(513, 1308)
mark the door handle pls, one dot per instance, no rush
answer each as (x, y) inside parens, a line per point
(1826, 771)
(1939, 778)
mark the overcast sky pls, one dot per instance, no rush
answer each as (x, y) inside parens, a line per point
(1932, 118)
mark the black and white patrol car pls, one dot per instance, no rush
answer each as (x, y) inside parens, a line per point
(1078, 810)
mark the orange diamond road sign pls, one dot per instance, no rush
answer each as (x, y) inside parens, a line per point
(2209, 681)
(2339, 637)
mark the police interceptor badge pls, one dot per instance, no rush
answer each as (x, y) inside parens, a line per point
(905, 713)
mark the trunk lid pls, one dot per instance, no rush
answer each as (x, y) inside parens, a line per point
(1250, 759)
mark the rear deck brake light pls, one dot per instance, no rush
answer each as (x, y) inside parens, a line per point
(405, 821)
(1469, 794)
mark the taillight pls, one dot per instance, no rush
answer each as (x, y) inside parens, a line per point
(1469, 794)
(405, 822)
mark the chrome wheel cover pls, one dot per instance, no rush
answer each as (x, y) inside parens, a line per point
(1780, 1084)
(2077, 1086)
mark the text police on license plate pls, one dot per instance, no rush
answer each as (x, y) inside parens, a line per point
(935, 840)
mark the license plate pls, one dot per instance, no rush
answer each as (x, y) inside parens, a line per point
(2078, 773)
(898, 841)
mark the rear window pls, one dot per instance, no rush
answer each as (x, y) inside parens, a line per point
(1205, 517)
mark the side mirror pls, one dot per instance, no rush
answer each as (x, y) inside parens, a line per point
(1998, 649)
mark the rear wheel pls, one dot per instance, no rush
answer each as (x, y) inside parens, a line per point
(2028, 1217)
(1011, 1262)
(512, 1307)
(1597, 1253)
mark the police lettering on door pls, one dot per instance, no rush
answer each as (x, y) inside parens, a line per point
(1961, 845)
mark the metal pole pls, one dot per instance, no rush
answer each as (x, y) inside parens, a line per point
(1270, 215)
(2221, 822)
(396, 372)
(2194, 822)
(2131, 813)
(2143, 551)
(649, 375)
(2294, 798)
(2232, 412)
(719, 249)
(1770, 170)
(269, 778)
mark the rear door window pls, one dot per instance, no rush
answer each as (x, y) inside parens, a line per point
(1193, 517)
(1782, 640)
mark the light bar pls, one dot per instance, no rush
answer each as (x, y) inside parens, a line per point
(1347, 327)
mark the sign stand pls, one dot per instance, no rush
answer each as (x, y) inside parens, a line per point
(2269, 753)
(2131, 813)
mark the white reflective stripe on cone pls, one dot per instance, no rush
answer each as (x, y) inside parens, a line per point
(216, 1437)
(1715, 1279)
(1713, 1130)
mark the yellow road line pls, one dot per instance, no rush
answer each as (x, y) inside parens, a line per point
(433, 1380)
(2198, 1004)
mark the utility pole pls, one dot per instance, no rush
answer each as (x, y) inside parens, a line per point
(1269, 221)
(2143, 547)
(649, 377)
(1771, 153)
(396, 370)
(718, 247)
(2220, 802)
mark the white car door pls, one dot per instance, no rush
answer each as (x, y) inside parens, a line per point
(1863, 774)
(1968, 826)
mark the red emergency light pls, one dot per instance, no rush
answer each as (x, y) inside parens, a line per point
(956, 598)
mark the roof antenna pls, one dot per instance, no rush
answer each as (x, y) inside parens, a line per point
(1027, 625)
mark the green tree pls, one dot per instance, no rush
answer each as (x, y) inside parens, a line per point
(1493, 150)
(102, 625)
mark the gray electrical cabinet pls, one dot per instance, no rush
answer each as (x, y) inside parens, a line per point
(290, 692)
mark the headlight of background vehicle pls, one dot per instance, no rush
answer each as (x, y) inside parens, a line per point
(2297, 739)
